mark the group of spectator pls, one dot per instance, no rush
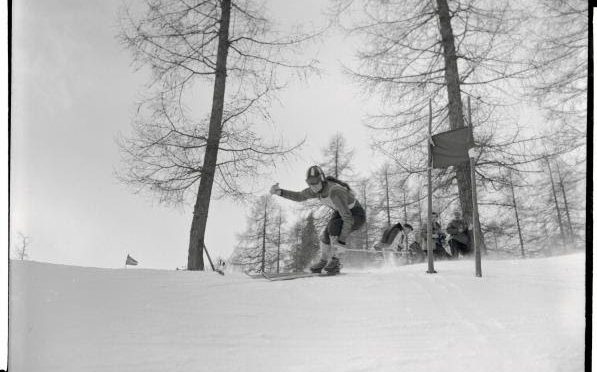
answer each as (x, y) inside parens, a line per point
(452, 243)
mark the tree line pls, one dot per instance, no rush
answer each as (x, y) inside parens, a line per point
(495, 55)
(539, 213)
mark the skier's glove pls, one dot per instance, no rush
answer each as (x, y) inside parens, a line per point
(275, 189)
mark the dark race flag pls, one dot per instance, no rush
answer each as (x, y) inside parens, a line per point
(131, 261)
(451, 147)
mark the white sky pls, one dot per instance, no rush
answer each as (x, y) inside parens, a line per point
(73, 90)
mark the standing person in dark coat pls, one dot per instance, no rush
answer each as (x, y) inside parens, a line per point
(459, 236)
(437, 235)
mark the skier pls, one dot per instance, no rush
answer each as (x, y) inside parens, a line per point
(394, 240)
(388, 236)
(348, 214)
(399, 242)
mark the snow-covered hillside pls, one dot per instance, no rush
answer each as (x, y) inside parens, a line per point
(525, 315)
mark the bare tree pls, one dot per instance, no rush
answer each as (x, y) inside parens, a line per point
(533, 199)
(337, 157)
(278, 239)
(561, 44)
(555, 201)
(365, 236)
(21, 248)
(416, 51)
(515, 207)
(566, 205)
(258, 245)
(176, 143)
(386, 185)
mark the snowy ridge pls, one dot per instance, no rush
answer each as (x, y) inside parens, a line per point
(525, 315)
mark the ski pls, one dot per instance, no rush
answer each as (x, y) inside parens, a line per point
(287, 276)
(290, 276)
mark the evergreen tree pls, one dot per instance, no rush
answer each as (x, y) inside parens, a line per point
(304, 251)
(258, 244)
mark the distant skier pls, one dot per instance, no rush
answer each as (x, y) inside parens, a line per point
(400, 240)
(388, 237)
(394, 241)
(348, 214)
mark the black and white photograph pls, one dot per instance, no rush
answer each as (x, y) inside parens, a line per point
(290, 186)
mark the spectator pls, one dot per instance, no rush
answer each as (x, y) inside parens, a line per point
(459, 236)
(437, 235)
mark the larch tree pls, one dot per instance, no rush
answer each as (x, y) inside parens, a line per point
(257, 247)
(22, 245)
(561, 46)
(337, 157)
(181, 145)
(417, 52)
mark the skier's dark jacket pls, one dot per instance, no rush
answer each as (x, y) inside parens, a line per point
(334, 195)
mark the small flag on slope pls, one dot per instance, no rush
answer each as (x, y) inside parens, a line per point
(131, 261)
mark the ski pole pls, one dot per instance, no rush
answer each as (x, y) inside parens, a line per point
(211, 263)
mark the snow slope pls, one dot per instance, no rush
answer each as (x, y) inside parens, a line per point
(525, 315)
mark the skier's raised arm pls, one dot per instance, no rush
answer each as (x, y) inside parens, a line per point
(293, 195)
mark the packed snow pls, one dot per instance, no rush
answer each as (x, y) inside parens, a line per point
(522, 315)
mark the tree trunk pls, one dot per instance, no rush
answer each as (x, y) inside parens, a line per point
(555, 199)
(517, 218)
(279, 240)
(336, 157)
(455, 113)
(405, 214)
(201, 209)
(366, 220)
(387, 197)
(429, 241)
(420, 208)
(570, 230)
(263, 238)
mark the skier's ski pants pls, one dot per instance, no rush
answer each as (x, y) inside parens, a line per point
(334, 227)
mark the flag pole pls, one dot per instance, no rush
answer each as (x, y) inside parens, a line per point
(430, 268)
(476, 237)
